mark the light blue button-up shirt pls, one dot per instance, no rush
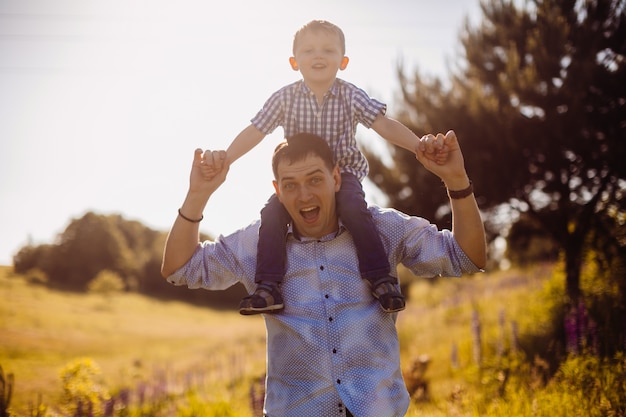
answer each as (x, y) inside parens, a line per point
(332, 346)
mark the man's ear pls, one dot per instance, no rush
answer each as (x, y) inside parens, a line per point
(337, 177)
(293, 63)
(344, 63)
(276, 188)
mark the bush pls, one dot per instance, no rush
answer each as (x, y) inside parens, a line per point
(106, 283)
(83, 391)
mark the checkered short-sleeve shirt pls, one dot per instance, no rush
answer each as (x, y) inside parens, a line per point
(295, 108)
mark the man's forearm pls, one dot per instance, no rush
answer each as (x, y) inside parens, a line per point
(183, 238)
(468, 229)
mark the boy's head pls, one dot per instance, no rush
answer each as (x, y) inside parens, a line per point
(319, 49)
(320, 26)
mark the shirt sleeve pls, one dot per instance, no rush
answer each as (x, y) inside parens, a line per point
(421, 247)
(219, 264)
(272, 114)
(365, 108)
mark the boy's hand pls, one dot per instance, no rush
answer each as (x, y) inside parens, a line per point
(450, 169)
(212, 164)
(435, 150)
(208, 171)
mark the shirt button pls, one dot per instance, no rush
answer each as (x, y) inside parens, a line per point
(339, 381)
(326, 296)
(322, 268)
(334, 350)
(330, 319)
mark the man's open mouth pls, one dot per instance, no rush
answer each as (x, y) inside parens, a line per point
(310, 213)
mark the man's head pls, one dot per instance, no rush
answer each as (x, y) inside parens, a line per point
(306, 180)
(319, 49)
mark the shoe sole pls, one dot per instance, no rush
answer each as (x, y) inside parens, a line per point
(271, 309)
(394, 310)
(389, 310)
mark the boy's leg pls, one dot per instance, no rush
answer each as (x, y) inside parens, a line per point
(373, 261)
(271, 249)
(270, 266)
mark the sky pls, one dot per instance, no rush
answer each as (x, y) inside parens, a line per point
(102, 103)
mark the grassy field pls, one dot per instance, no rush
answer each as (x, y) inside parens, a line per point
(41, 330)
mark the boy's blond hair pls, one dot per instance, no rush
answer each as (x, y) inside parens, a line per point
(321, 25)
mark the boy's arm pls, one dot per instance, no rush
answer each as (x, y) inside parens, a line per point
(243, 143)
(395, 132)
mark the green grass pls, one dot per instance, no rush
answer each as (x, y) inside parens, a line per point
(439, 316)
(42, 330)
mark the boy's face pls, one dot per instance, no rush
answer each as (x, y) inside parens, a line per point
(318, 57)
(307, 190)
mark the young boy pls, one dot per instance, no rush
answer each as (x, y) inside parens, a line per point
(325, 105)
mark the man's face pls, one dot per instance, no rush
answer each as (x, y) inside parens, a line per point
(307, 190)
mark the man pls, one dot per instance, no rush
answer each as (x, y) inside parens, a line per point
(332, 351)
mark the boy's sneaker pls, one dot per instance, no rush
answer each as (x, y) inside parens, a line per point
(387, 294)
(265, 299)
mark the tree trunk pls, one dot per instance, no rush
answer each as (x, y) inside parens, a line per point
(573, 265)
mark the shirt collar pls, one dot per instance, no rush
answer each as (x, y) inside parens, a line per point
(333, 90)
(293, 233)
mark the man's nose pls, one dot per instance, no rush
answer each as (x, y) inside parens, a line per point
(304, 193)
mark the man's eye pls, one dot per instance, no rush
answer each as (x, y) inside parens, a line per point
(288, 187)
(316, 180)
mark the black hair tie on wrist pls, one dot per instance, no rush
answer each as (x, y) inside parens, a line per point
(190, 220)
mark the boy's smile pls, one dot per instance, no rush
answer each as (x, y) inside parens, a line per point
(318, 56)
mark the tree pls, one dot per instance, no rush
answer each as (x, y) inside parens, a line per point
(87, 246)
(100, 247)
(539, 102)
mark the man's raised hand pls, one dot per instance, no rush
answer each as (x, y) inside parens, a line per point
(208, 171)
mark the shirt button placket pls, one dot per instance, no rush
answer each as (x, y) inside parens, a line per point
(331, 315)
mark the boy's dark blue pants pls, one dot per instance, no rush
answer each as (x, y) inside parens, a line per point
(353, 212)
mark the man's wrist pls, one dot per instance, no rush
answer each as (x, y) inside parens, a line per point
(193, 205)
(189, 219)
(457, 194)
(457, 183)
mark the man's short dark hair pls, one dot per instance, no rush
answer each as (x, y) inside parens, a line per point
(298, 147)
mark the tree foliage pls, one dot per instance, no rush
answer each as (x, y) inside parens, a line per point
(538, 101)
(89, 245)
(97, 245)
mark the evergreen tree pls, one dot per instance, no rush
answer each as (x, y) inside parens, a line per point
(538, 100)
